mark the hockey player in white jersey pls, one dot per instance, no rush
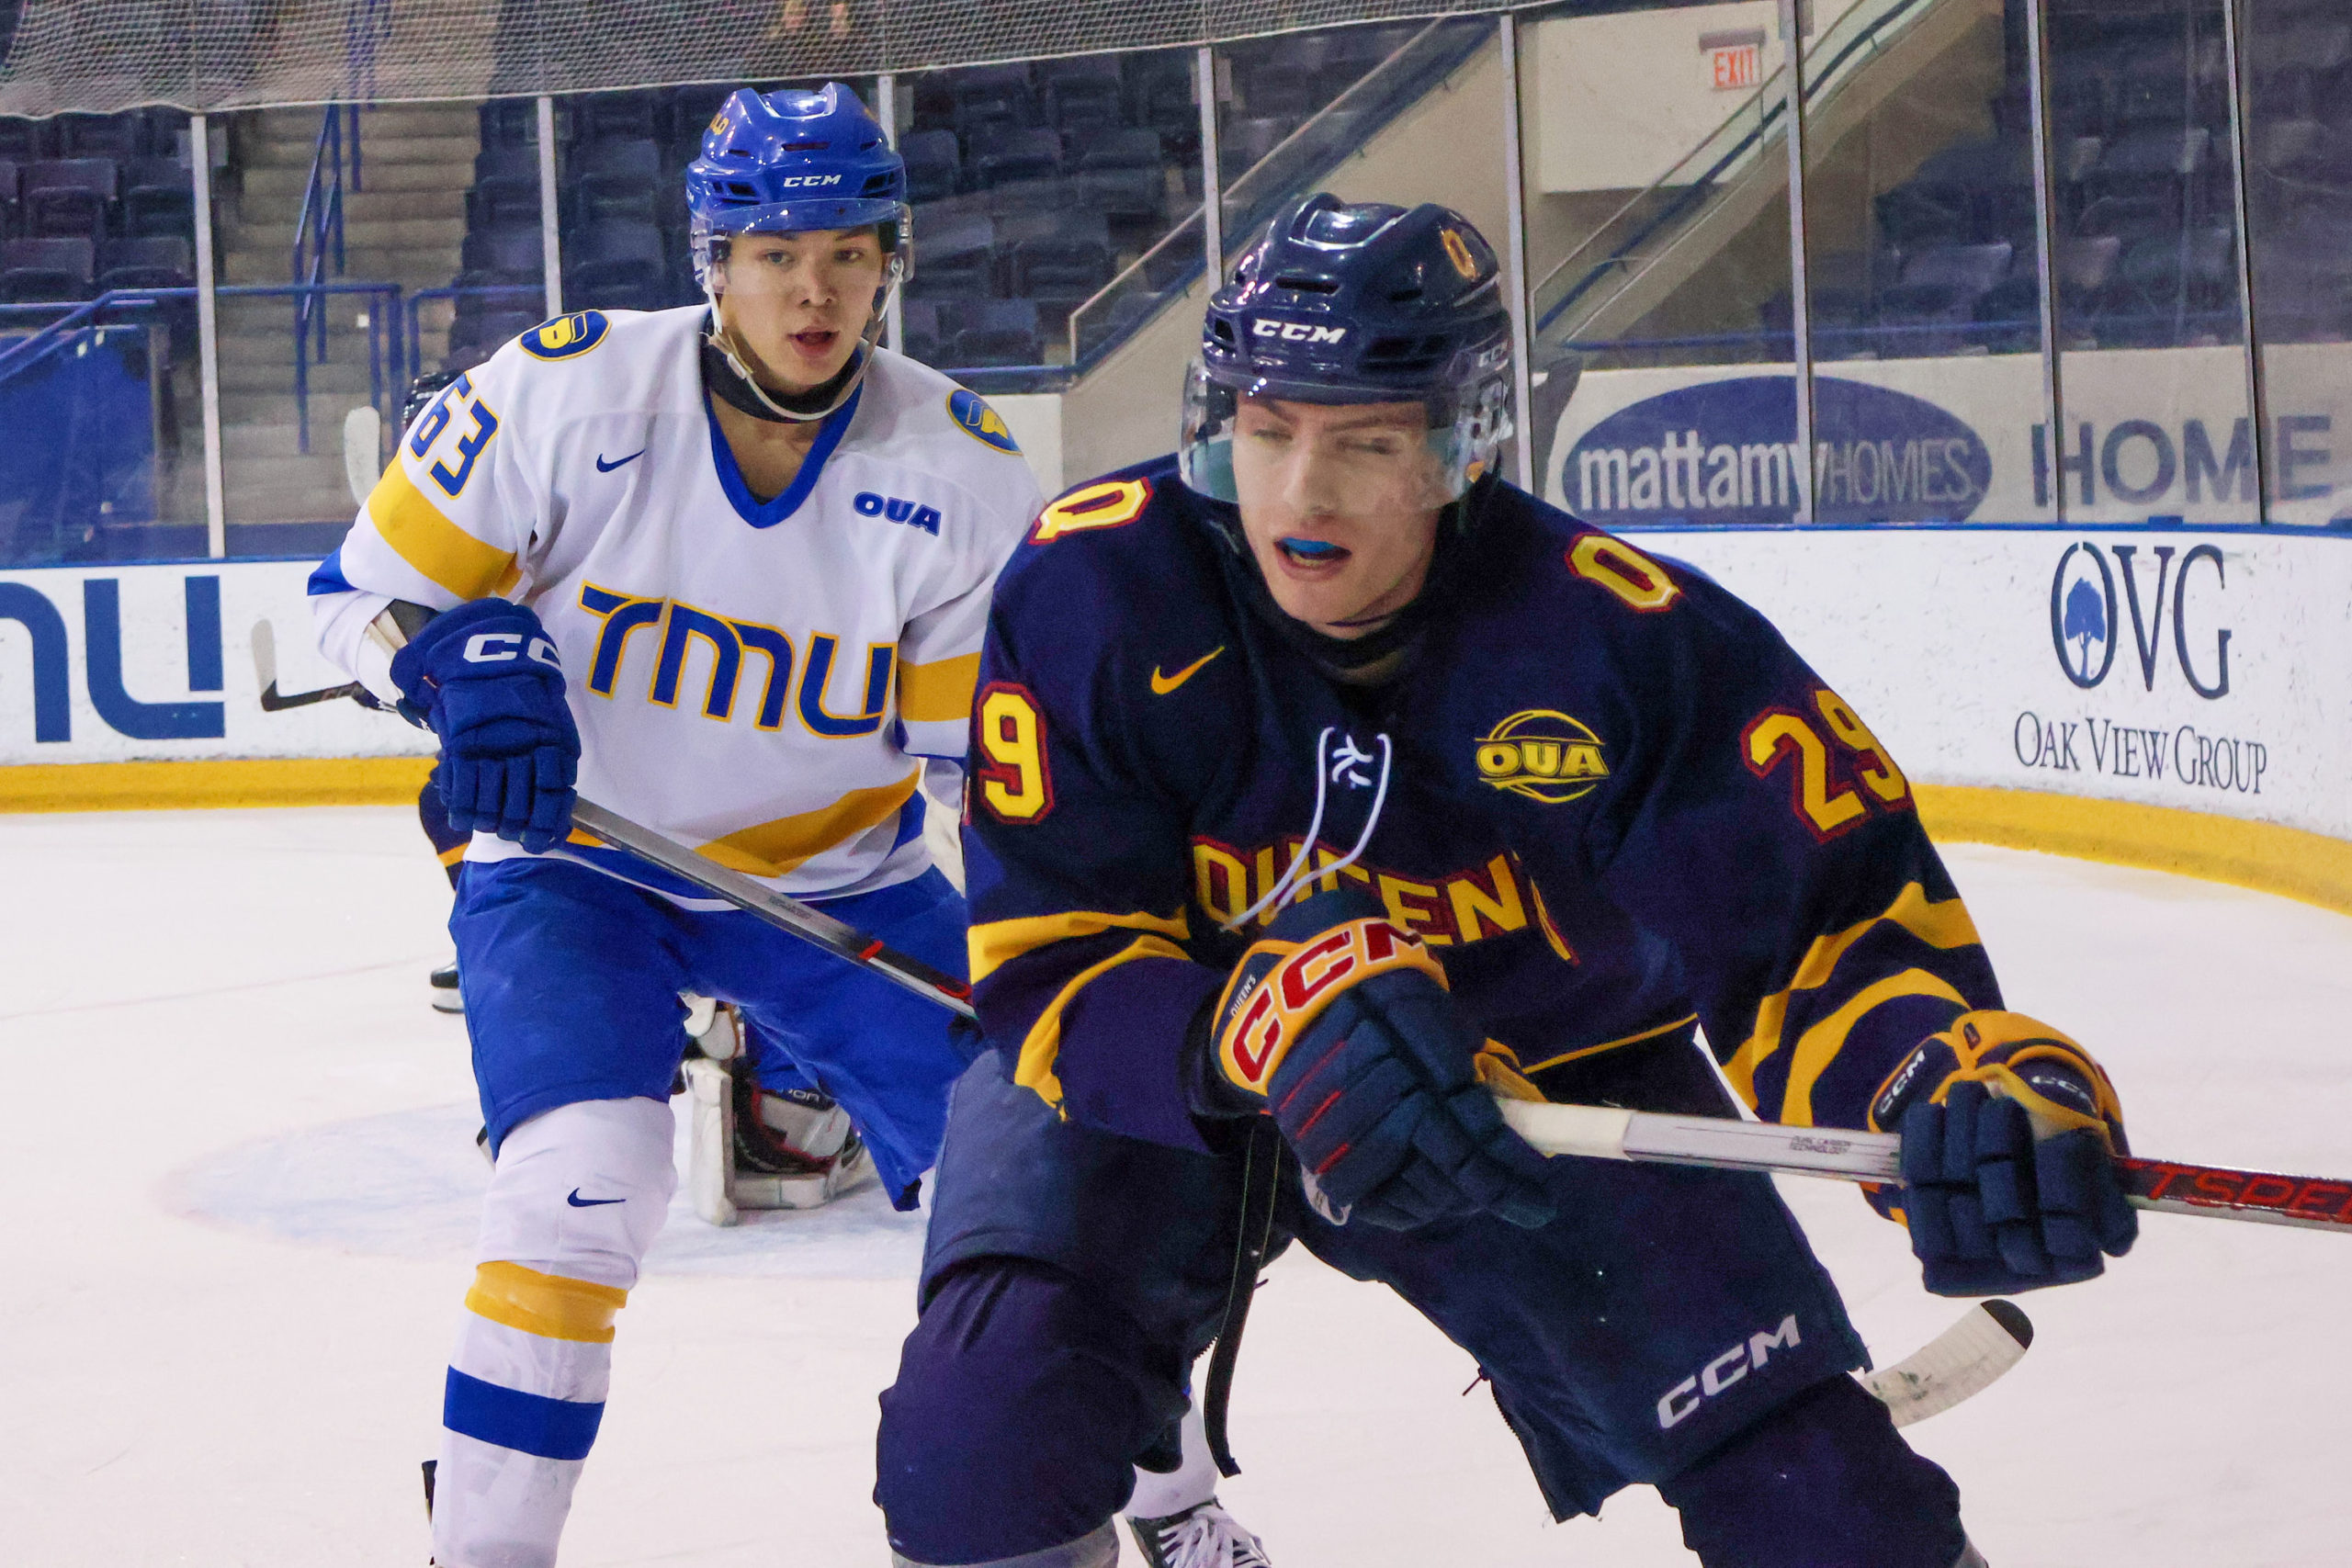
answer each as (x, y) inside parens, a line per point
(727, 571)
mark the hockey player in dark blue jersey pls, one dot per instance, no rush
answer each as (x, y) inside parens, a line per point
(1323, 787)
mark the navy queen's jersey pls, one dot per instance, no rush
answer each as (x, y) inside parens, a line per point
(1604, 790)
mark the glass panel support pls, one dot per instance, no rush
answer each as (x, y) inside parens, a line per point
(885, 109)
(1212, 183)
(1801, 319)
(550, 232)
(2045, 250)
(2257, 389)
(1522, 446)
(207, 338)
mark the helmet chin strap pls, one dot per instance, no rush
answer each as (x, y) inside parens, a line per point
(741, 389)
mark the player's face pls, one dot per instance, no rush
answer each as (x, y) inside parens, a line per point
(1339, 502)
(799, 302)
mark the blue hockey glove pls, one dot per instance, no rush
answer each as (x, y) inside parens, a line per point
(2009, 1130)
(484, 677)
(1340, 1023)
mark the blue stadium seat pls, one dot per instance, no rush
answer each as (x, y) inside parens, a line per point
(25, 140)
(1084, 94)
(956, 257)
(506, 186)
(119, 137)
(613, 180)
(1121, 174)
(158, 198)
(48, 269)
(934, 165)
(622, 267)
(1067, 265)
(1013, 156)
(1243, 144)
(498, 256)
(154, 261)
(614, 117)
(69, 198)
(992, 99)
(1001, 332)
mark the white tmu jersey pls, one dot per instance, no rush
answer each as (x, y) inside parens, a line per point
(763, 681)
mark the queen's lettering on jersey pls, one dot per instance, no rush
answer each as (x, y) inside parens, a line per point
(723, 644)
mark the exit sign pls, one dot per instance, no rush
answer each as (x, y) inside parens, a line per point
(1734, 60)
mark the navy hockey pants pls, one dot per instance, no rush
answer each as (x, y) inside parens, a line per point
(1670, 1327)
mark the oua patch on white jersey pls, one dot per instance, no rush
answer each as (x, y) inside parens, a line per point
(761, 681)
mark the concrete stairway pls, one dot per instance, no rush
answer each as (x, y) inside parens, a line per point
(405, 227)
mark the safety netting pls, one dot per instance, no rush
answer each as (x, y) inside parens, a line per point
(101, 56)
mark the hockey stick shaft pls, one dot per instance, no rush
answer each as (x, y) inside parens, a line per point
(2170, 1187)
(778, 909)
(1592, 1132)
(265, 645)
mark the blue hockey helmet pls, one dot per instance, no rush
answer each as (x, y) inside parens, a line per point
(1362, 303)
(791, 161)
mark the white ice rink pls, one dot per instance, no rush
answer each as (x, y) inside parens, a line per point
(239, 1180)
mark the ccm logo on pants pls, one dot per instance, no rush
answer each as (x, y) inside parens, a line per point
(1724, 1370)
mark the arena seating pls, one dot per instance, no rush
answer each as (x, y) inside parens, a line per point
(1032, 186)
(2146, 249)
(81, 196)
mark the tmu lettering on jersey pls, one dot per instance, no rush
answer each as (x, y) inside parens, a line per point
(680, 627)
(1464, 906)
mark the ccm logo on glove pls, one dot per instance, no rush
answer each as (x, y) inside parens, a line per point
(1271, 1007)
(497, 647)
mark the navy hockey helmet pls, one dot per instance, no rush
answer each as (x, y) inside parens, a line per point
(1358, 304)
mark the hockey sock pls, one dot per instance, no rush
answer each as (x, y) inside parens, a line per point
(1158, 1494)
(576, 1198)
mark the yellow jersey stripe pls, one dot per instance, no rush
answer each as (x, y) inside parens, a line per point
(938, 692)
(995, 943)
(422, 535)
(773, 849)
(550, 1305)
(1582, 1051)
(452, 856)
(1043, 1044)
(1819, 1046)
(1943, 925)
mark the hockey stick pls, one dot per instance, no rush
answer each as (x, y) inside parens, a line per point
(2170, 1187)
(790, 914)
(265, 672)
(1591, 1131)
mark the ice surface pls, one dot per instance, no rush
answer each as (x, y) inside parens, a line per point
(239, 1173)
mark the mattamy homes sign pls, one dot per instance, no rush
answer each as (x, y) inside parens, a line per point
(2150, 433)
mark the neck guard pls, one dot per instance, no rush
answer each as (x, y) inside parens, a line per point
(718, 374)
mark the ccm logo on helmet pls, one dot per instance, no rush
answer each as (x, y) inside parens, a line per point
(791, 181)
(1298, 332)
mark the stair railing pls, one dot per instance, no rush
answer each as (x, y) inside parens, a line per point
(319, 239)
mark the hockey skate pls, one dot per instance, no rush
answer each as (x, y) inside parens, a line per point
(750, 1149)
(1203, 1536)
(446, 997)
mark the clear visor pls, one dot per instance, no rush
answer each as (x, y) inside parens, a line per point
(1353, 458)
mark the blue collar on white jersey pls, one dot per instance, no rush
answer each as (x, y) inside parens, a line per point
(731, 475)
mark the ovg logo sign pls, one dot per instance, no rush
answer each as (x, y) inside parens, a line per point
(2092, 595)
(1726, 451)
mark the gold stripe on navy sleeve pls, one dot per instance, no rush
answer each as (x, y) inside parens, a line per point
(995, 943)
(1043, 1044)
(1944, 925)
(423, 536)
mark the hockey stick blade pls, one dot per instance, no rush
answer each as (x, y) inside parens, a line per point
(265, 641)
(2171, 1187)
(1959, 1363)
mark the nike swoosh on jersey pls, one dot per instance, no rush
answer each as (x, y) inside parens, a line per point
(605, 468)
(577, 1201)
(1163, 684)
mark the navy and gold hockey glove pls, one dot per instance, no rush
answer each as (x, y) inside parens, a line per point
(485, 678)
(2009, 1133)
(1339, 1024)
